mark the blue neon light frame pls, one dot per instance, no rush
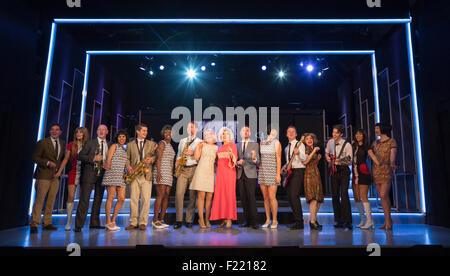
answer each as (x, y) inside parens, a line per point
(405, 21)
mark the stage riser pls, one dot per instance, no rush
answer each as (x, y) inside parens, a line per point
(326, 207)
(283, 218)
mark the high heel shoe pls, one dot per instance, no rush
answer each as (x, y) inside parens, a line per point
(228, 225)
(274, 226)
(315, 226)
(266, 225)
(369, 225)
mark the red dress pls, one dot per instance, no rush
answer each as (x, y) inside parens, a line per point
(73, 161)
(224, 203)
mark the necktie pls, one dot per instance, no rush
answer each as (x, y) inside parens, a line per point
(56, 148)
(289, 152)
(243, 150)
(142, 149)
(102, 150)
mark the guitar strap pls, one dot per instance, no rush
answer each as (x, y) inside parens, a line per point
(289, 153)
(342, 150)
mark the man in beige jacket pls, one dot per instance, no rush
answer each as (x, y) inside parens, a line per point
(141, 188)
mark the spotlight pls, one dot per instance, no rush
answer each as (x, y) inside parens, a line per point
(213, 64)
(161, 67)
(310, 68)
(151, 72)
(142, 68)
(203, 68)
(301, 64)
(191, 73)
(264, 68)
(281, 74)
(319, 74)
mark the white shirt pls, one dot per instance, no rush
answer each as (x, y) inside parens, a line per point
(334, 148)
(105, 148)
(190, 159)
(297, 163)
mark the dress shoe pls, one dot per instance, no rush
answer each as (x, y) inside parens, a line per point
(77, 230)
(178, 225)
(245, 225)
(33, 230)
(130, 227)
(254, 226)
(318, 224)
(189, 224)
(339, 225)
(142, 227)
(348, 226)
(297, 226)
(49, 228)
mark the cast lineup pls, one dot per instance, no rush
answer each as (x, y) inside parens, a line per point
(211, 175)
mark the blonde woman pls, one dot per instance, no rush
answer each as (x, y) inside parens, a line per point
(224, 204)
(80, 137)
(203, 181)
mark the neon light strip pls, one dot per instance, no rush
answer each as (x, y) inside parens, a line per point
(43, 116)
(306, 213)
(416, 117)
(375, 88)
(350, 52)
(235, 21)
(84, 93)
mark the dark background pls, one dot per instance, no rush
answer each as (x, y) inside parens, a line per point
(25, 29)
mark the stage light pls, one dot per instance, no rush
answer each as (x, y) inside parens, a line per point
(151, 73)
(319, 74)
(213, 64)
(301, 64)
(310, 68)
(281, 74)
(203, 68)
(142, 68)
(191, 73)
(264, 68)
(161, 67)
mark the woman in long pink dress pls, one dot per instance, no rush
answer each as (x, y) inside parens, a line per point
(224, 204)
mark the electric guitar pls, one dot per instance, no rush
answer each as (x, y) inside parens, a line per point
(288, 173)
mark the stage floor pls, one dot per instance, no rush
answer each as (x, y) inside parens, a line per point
(402, 235)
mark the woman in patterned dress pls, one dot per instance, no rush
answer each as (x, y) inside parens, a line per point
(114, 178)
(224, 203)
(385, 149)
(203, 180)
(313, 182)
(269, 177)
(80, 137)
(163, 177)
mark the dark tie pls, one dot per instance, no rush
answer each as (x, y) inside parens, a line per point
(243, 151)
(141, 150)
(56, 148)
(102, 149)
(289, 151)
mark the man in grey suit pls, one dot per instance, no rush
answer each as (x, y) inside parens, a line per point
(248, 156)
(93, 156)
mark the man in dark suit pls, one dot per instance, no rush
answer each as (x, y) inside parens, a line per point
(93, 156)
(248, 156)
(48, 156)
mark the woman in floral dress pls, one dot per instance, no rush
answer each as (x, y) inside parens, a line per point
(313, 182)
(385, 149)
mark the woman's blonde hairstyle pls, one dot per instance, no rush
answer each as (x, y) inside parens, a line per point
(225, 129)
(213, 133)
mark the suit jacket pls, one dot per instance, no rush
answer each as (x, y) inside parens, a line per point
(44, 153)
(133, 155)
(86, 156)
(249, 165)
